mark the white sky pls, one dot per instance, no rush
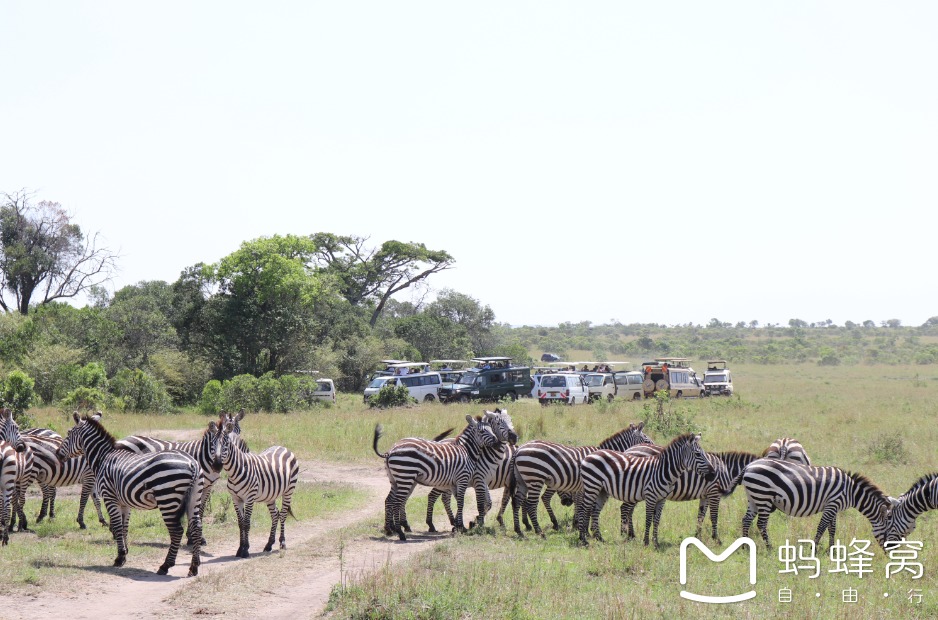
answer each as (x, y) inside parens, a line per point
(563, 153)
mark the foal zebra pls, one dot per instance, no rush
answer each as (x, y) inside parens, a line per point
(921, 497)
(262, 477)
(204, 450)
(690, 485)
(450, 466)
(170, 481)
(631, 479)
(23, 472)
(555, 468)
(787, 449)
(801, 490)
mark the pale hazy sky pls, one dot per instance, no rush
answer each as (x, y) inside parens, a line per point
(661, 162)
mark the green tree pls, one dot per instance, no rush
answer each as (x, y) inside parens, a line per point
(465, 311)
(140, 314)
(44, 255)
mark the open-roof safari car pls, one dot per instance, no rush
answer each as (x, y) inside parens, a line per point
(449, 369)
(420, 381)
(672, 374)
(718, 379)
(489, 378)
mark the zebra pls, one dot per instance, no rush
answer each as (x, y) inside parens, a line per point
(24, 472)
(8, 473)
(204, 450)
(451, 466)
(630, 478)
(170, 481)
(52, 473)
(787, 449)
(262, 477)
(802, 490)
(556, 468)
(728, 467)
(921, 497)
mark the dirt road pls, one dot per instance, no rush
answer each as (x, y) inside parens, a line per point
(135, 591)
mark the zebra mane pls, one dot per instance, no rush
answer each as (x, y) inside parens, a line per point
(97, 423)
(866, 484)
(686, 437)
(625, 431)
(463, 431)
(920, 483)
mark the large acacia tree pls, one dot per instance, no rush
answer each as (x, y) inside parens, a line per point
(44, 256)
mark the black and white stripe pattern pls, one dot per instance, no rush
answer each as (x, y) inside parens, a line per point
(170, 481)
(787, 449)
(554, 467)
(632, 478)
(450, 466)
(24, 473)
(8, 470)
(205, 450)
(921, 497)
(801, 490)
(690, 485)
(264, 477)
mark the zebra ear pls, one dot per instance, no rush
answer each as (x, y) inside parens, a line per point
(75, 416)
(640, 426)
(212, 427)
(892, 500)
(240, 416)
(470, 420)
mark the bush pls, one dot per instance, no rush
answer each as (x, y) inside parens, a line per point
(183, 376)
(392, 396)
(238, 393)
(210, 403)
(17, 393)
(141, 391)
(87, 398)
(665, 419)
(888, 449)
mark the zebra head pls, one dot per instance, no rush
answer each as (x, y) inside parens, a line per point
(479, 434)
(693, 457)
(77, 438)
(10, 430)
(501, 425)
(899, 521)
(213, 435)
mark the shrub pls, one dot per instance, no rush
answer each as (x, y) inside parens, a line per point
(665, 419)
(17, 393)
(392, 396)
(238, 393)
(888, 449)
(141, 391)
(86, 398)
(211, 397)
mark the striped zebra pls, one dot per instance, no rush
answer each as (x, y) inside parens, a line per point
(450, 466)
(690, 485)
(170, 481)
(262, 477)
(204, 450)
(802, 490)
(8, 472)
(921, 497)
(787, 449)
(51, 473)
(553, 467)
(630, 478)
(233, 424)
(24, 472)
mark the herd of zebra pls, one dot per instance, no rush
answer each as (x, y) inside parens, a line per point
(144, 473)
(631, 468)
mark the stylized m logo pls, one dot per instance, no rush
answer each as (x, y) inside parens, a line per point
(700, 598)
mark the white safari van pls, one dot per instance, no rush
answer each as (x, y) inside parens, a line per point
(718, 379)
(567, 387)
(421, 384)
(629, 384)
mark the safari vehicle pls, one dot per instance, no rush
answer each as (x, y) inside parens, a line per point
(325, 390)
(490, 378)
(672, 374)
(568, 387)
(421, 383)
(718, 379)
(601, 385)
(449, 369)
(388, 369)
(629, 384)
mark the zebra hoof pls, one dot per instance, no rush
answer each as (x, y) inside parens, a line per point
(501, 521)
(388, 531)
(102, 522)
(431, 528)
(407, 528)
(268, 548)
(162, 570)
(121, 559)
(401, 536)
(193, 571)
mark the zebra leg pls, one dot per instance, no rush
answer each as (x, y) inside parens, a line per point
(48, 499)
(701, 514)
(285, 502)
(394, 506)
(659, 508)
(545, 499)
(763, 524)
(829, 523)
(445, 500)
(248, 509)
(483, 503)
(431, 500)
(239, 505)
(583, 510)
(593, 515)
(173, 521)
(274, 522)
(203, 506)
(516, 505)
(389, 511)
(715, 515)
(506, 497)
(530, 507)
(626, 528)
(118, 531)
(460, 502)
(20, 509)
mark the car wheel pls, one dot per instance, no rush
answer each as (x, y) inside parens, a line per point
(512, 396)
(610, 397)
(464, 399)
(679, 394)
(428, 398)
(637, 397)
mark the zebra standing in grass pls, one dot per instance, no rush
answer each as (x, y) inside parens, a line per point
(450, 466)
(630, 478)
(262, 477)
(170, 481)
(801, 490)
(24, 473)
(787, 449)
(553, 467)
(204, 450)
(690, 485)
(921, 497)
(8, 471)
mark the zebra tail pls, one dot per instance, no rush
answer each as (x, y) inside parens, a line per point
(189, 501)
(378, 432)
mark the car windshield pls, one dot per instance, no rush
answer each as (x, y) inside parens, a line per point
(594, 380)
(714, 378)
(467, 378)
(323, 386)
(378, 383)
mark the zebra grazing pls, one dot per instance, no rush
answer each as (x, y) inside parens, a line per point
(728, 468)
(802, 490)
(787, 449)
(921, 497)
(630, 478)
(262, 477)
(204, 450)
(170, 481)
(24, 473)
(450, 466)
(555, 467)
(52, 473)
